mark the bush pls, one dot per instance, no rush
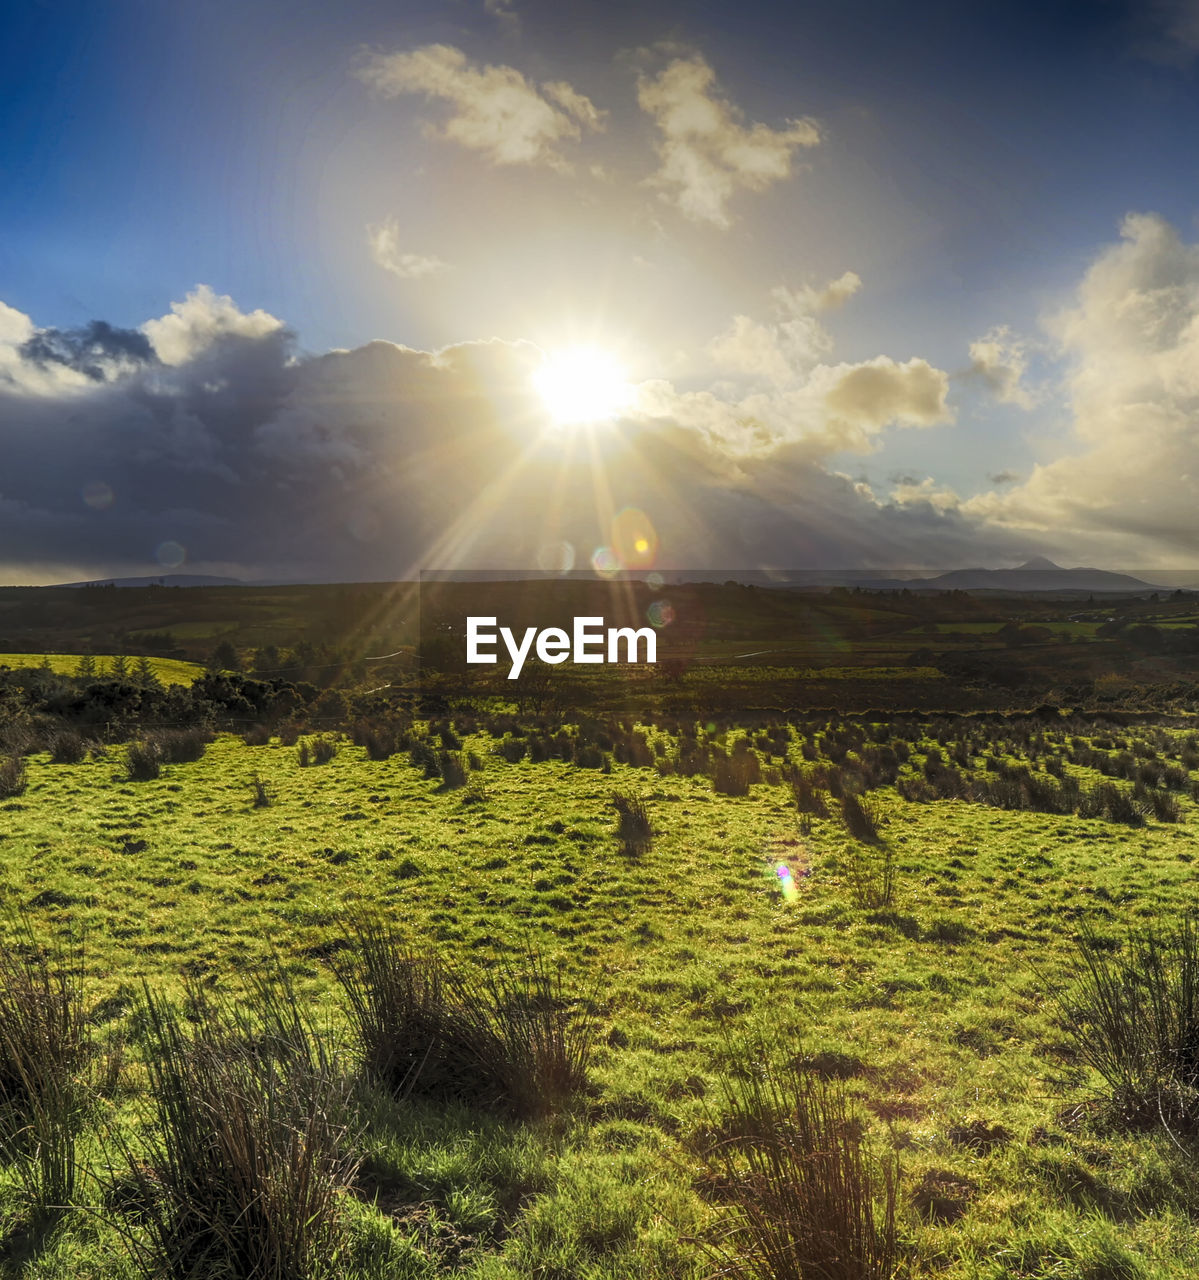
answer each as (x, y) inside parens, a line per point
(323, 749)
(245, 1169)
(181, 746)
(808, 1199)
(67, 747)
(143, 760)
(633, 826)
(1134, 1017)
(13, 780)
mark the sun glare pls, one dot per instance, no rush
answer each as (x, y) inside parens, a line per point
(582, 385)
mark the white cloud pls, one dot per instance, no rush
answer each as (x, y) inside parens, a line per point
(202, 319)
(1131, 478)
(706, 155)
(784, 350)
(495, 110)
(1000, 360)
(384, 241)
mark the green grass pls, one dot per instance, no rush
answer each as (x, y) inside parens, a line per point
(933, 1011)
(168, 670)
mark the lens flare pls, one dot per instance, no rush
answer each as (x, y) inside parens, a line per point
(634, 538)
(786, 882)
(605, 562)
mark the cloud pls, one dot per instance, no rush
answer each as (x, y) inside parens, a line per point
(494, 109)
(504, 12)
(927, 492)
(98, 351)
(202, 319)
(706, 155)
(369, 464)
(384, 241)
(832, 296)
(881, 391)
(999, 359)
(1130, 339)
(784, 350)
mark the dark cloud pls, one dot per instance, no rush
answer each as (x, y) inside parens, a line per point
(376, 462)
(98, 350)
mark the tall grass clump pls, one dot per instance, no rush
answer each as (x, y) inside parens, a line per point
(507, 1038)
(1134, 1017)
(182, 746)
(246, 1167)
(45, 1045)
(859, 818)
(143, 760)
(12, 777)
(809, 1201)
(633, 827)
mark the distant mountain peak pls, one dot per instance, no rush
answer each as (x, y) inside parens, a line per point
(1039, 562)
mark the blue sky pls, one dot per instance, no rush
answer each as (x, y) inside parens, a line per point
(971, 166)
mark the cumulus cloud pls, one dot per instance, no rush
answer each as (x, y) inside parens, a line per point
(881, 391)
(374, 462)
(494, 110)
(1130, 479)
(201, 320)
(384, 239)
(999, 359)
(706, 154)
(783, 350)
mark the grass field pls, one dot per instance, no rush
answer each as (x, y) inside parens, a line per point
(929, 1003)
(168, 670)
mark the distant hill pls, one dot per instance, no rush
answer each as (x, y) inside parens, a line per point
(1037, 574)
(164, 580)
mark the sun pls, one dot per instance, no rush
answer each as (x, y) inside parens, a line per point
(582, 385)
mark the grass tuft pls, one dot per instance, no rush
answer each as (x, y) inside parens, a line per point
(809, 1201)
(245, 1170)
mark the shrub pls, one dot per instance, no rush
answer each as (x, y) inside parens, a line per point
(323, 749)
(13, 780)
(808, 1200)
(245, 1169)
(1134, 1018)
(67, 747)
(143, 760)
(180, 746)
(633, 826)
(260, 796)
(45, 1043)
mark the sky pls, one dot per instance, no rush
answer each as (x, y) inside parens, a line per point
(310, 292)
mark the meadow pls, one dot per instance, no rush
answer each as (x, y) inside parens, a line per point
(674, 941)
